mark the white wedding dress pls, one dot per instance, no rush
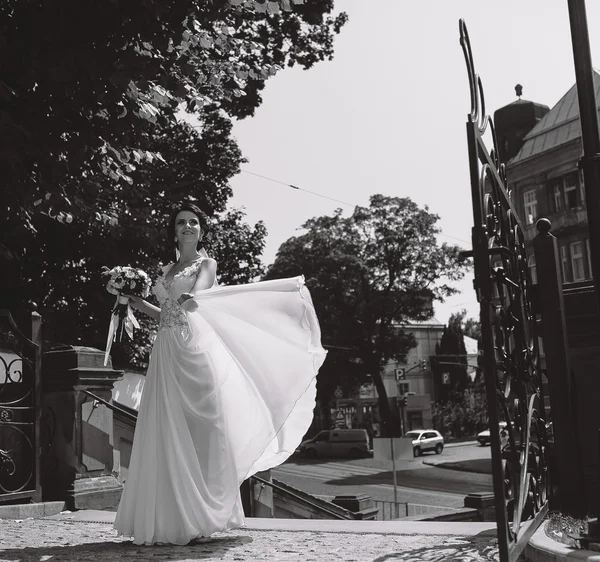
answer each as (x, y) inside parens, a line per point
(230, 391)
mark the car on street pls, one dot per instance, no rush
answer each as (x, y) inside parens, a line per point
(483, 438)
(425, 440)
(337, 443)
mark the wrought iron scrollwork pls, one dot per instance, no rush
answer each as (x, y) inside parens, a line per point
(512, 367)
(7, 464)
(19, 374)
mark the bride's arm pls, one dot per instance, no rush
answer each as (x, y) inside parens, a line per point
(145, 307)
(206, 275)
(205, 280)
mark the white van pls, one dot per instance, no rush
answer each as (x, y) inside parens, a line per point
(337, 443)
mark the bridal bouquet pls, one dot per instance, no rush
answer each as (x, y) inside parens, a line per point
(130, 281)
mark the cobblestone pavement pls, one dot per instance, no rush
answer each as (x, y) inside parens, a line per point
(53, 541)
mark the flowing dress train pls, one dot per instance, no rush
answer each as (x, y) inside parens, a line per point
(230, 391)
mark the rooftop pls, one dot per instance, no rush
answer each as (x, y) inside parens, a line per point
(423, 323)
(559, 126)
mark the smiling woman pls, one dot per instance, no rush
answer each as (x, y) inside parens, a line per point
(230, 391)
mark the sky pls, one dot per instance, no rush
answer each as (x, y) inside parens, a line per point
(388, 114)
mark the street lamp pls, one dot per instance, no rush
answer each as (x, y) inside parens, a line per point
(590, 162)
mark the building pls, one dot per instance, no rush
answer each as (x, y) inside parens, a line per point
(414, 378)
(543, 175)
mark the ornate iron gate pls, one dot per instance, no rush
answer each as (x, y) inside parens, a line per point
(512, 368)
(20, 387)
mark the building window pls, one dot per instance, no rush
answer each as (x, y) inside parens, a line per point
(567, 192)
(532, 269)
(577, 261)
(571, 191)
(582, 190)
(589, 259)
(530, 204)
(558, 197)
(563, 263)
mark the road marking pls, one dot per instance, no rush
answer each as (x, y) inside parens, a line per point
(322, 476)
(334, 468)
(325, 473)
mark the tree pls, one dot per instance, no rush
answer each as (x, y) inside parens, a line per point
(61, 269)
(462, 419)
(461, 406)
(450, 362)
(471, 327)
(370, 273)
(86, 85)
(94, 149)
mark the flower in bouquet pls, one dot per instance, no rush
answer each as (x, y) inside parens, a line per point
(127, 280)
(123, 281)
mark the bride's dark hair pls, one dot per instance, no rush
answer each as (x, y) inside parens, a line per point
(202, 217)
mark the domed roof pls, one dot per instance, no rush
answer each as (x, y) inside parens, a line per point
(559, 126)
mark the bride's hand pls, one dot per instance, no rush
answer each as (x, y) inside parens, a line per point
(184, 297)
(133, 300)
(187, 302)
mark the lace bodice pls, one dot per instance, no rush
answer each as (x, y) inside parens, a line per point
(168, 291)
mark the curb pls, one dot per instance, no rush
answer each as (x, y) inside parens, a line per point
(31, 510)
(460, 444)
(541, 548)
(397, 527)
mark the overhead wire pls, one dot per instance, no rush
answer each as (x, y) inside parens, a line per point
(316, 194)
(300, 188)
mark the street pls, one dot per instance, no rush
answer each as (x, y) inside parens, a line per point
(418, 483)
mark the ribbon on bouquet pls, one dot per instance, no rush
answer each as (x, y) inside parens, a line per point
(122, 318)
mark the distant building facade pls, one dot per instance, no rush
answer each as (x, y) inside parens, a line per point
(543, 176)
(413, 379)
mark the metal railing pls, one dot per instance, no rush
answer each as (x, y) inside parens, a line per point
(389, 510)
(511, 352)
(112, 406)
(300, 499)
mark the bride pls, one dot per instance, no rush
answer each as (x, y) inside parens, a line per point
(230, 391)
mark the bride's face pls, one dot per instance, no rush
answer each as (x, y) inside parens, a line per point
(187, 227)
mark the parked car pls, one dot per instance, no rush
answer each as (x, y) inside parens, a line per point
(337, 443)
(484, 436)
(425, 440)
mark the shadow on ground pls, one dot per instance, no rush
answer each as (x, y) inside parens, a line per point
(125, 551)
(434, 479)
(477, 466)
(478, 548)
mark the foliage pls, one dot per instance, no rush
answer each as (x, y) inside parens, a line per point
(62, 262)
(95, 143)
(370, 273)
(85, 84)
(462, 418)
(472, 328)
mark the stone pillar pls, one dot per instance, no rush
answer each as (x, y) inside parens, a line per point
(257, 497)
(483, 502)
(77, 444)
(360, 504)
